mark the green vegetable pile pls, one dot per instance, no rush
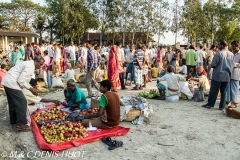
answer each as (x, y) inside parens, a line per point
(152, 94)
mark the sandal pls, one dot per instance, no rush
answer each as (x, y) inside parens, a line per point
(115, 144)
(205, 106)
(23, 128)
(107, 141)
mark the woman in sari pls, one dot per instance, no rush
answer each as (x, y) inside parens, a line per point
(16, 56)
(113, 69)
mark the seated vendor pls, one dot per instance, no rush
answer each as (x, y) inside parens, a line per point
(69, 73)
(172, 82)
(108, 115)
(202, 78)
(36, 99)
(74, 97)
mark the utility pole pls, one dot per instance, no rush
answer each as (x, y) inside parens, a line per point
(176, 17)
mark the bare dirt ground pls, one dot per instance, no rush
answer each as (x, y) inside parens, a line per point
(180, 131)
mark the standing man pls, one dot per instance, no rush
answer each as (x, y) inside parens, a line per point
(191, 58)
(159, 60)
(29, 53)
(121, 60)
(14, 81)
(138, 66)
(91, 67)
(50, 51)
(57, 55)
(199, 61)
(72, 50)
(126, 50)
(232, 91)
(222, 65)
(84, 52)
(129, 64)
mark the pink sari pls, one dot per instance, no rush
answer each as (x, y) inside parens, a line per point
(113, 69)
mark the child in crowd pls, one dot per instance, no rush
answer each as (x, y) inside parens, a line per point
(108, 115)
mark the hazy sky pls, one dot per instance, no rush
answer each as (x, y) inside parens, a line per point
(169, 37)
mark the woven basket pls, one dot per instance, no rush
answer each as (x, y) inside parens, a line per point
(94, 103)
(132, 114)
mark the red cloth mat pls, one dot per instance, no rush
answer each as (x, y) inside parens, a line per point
(93, 136)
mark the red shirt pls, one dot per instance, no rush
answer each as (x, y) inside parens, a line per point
(2, 74)
(159, 56)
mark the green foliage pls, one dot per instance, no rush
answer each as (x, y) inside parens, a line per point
(71, 17)
(20, 14)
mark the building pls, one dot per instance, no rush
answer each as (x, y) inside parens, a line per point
(8, 37)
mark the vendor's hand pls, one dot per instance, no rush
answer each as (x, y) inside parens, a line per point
(64, 104)
(34, 91)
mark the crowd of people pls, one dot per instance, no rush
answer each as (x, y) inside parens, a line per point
(125, 66)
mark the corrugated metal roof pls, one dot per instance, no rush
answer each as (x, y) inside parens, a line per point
(11, 33)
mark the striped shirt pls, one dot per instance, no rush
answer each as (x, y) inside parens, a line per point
(138, 55)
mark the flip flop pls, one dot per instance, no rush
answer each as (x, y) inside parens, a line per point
(115, 144)
(23, 128)
(107, 141)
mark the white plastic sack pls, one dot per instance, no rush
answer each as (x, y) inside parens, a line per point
(185, 89)
(147, 109)
(57, 82)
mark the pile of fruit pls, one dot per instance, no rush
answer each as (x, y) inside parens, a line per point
(50, 114)
(62, 132)
(150, 95)
(89, 111)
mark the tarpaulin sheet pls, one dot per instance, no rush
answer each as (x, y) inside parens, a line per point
(93, 136)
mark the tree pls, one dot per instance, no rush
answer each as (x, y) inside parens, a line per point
(72, 19)
(191, 19)
(22, 11)
(40, 25)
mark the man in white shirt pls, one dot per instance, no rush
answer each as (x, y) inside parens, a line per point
(121, 60)
(50, 51)
(71, 51)
(17, 78)
(103, 49)
(199, 61)
(83, 57)
(57, 55)
(130, 66)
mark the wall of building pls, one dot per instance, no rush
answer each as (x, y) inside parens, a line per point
(14, 41)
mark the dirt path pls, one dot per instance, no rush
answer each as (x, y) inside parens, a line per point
(180, 131)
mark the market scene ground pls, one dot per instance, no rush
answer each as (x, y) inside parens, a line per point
(182, 130)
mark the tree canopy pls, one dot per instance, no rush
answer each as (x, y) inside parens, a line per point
(67, 20)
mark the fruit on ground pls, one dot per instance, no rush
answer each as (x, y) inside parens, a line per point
(50, 114)
(61, 133)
